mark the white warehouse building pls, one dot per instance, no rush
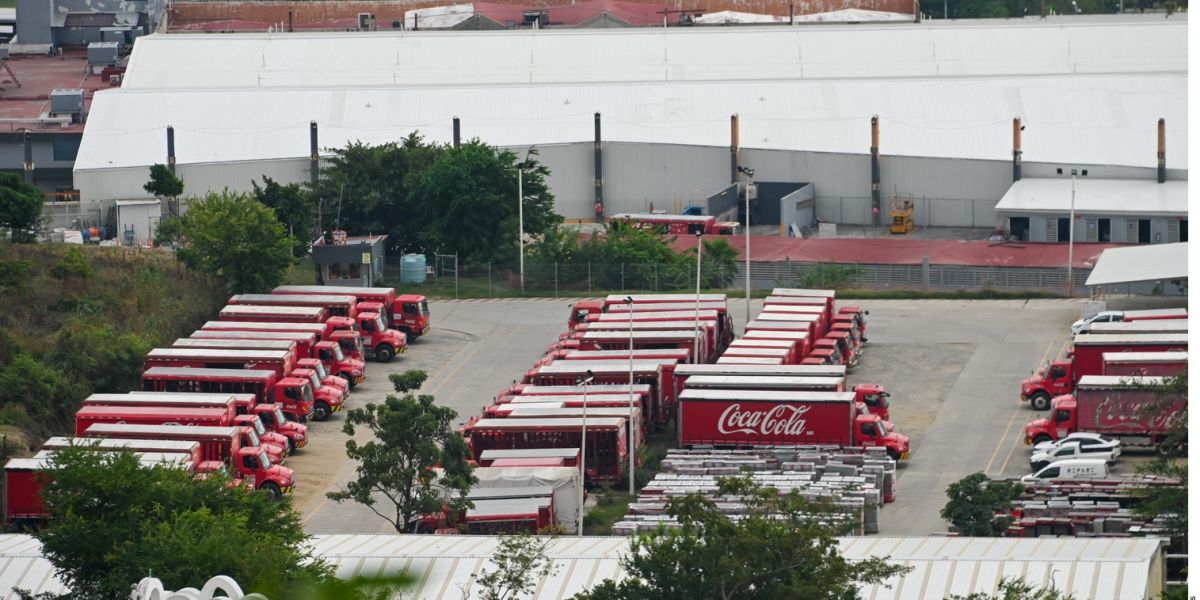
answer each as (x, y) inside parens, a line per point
(1088, 90)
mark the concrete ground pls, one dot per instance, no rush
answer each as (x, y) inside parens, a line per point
(953, 368)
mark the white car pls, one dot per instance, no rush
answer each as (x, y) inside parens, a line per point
(1072, 450)
(1086, 437)
(1104, 316)
(1077, 468)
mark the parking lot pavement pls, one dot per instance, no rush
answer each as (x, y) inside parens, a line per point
(475, 348)
(953, 368)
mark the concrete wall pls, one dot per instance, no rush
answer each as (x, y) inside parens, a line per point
(33, 21)
(1087, 228)
(797, 208)
(34, 17)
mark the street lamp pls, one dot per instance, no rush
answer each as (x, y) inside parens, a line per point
(749, 182)
(584, 381)
(521, 167)
(632, 466)
(696, 339)
(1071, 240)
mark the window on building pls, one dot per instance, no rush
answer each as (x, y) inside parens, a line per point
(1064, 229)
(1143, 231)
(1105, 229)
(66, 148)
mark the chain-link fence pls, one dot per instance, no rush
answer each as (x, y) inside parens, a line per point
(449, 278)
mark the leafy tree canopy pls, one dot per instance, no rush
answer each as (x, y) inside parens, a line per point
(974, 503)
(20, 205)
(234, 237)
(411, 436)
(163, 183)
(785, 547)
(293, 207)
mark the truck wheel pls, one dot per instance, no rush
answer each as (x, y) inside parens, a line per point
(1040, 401)
(1165, 449)
(271, 488)
(349, 380)
(412, 335)
(1041, 437)
(291, 446)
(892, 454)
(321, 411)
(384, 353)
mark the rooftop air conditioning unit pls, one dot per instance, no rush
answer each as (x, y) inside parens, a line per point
(365, 21)
(66, 102)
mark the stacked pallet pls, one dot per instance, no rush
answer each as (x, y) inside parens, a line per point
(1086, 508)
(854, 481)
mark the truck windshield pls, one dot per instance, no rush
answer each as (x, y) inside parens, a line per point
(258, 427)
(379, 325)
(337, 353)
(268, 418)
(316, 383)
(308, 394)
(320, 369)
(424, 307)
(264, 461)
(253, 437)
(882, 432)
(279, 418)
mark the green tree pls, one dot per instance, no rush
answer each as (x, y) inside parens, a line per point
(74, 266)
(520, 563)
(785, 547)
(163, 183)
(20, 206)
(411, 436)
(365, 189)
(293, 207)
(1013, 588)
(980, 507)
(468, 199)
(718, 263)
(234, 237)
(111, 361)
(1170, 503)
(114, 521)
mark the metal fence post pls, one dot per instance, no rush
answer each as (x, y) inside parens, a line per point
(925, 270)
(456, 276)
(555, 279)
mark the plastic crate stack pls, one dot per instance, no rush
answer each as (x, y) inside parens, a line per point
(1086, 508)
(852, 479)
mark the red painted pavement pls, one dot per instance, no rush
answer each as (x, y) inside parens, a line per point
(910, 251)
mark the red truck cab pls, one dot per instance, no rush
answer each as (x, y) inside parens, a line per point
(323, 374)
(836, 356)
(410, 314)
(1124, 407)
(270, 439)
(326, 400)
(331, 355)
(380, 342)
(1087, 358)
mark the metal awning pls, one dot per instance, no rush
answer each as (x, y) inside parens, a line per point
(1140, 263)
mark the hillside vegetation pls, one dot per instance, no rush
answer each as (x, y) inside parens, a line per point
(76, 320)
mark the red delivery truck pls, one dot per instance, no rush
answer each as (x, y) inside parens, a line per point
(327, 379)
(1087, 358)
(340, 305)
(561, 457)
(640, 391)
(744, 418)
(274, 314)
(320, 329)
(781, 371)
(188, 448)
(245, 408)
(408, 313)
(280, 361)
(719, 319)
(809, 328)
(870, 395)
(234, 446)
(606, 442)
(682, 339)
(1154, 364)
(823, 318)
(332, 397)
(295, 395)
(801, 338)
(24, 479)
(660, 400)
(368, 336)
(783, 354)
(228, 344)
(88, 415)
(1125, 407)
(1147, 326)
(791, 348)
(304, 341)
(551, 411)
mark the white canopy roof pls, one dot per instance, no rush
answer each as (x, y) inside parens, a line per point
(1095, 568)
(1144, 197)
(1140, 263)
(1089, 91)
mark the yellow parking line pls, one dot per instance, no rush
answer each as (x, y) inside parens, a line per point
(1012, 419)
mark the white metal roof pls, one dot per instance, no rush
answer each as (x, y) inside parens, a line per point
(1098, 568)
(1088, 92)
(1095, 196)
(1140, 263)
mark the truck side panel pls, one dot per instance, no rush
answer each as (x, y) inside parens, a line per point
(748, 422)
(1120, 412)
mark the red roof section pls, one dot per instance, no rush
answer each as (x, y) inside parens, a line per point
(910, 251)
(40, 75)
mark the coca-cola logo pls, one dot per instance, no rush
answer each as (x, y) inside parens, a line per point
(774, 421)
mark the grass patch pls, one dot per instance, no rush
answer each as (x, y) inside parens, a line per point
(610, 507)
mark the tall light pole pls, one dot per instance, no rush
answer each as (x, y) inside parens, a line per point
(521, 166)
(585, 382)
(696, 339)
(632, 466)
(1071, 240)
(749, 182)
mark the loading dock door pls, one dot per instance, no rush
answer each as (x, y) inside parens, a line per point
(1143, 231)
(1018, 227)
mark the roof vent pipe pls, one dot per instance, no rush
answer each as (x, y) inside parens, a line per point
(171, 148)
(457, 132)
(875, 170)
(733, 148)
(314, 158)
(27, 142)
(1162, 150)
(598, 167)
(1017, 128)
